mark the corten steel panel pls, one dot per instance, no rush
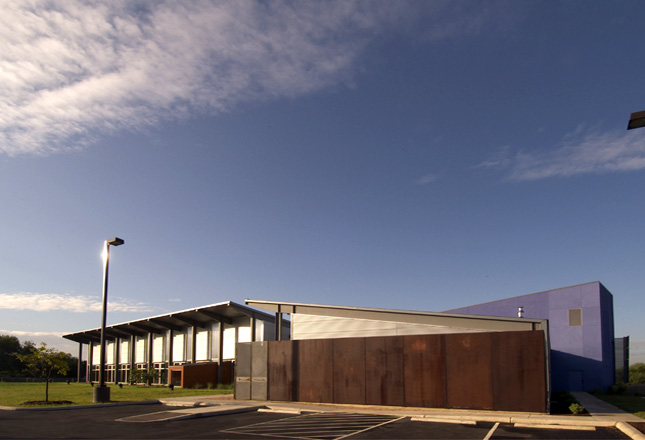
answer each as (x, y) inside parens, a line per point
(315, 372)
(191, 375)
(226, 372)
(349, 370)
(424, 371)
(519, 371)
(384, 371)
(243, 371)
(259, 365)
(468, 371)
(281, 369)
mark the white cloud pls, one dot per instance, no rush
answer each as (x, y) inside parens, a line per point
(46, 302)
(71, 71)
(428, 178)
(22, 334)
(581, 152)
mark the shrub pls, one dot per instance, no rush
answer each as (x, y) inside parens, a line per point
(576, 408)
(144, 376)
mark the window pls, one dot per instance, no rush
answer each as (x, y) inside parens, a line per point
(109, 353)
(158, 348)
(124, 352)
(140, 350)
(124, 373)
(110, 373)
(229, 343)
(201, 343)
(178, 352)
(96, 354)
(575, 317)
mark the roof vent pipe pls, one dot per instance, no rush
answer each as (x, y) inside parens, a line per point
(520, 312)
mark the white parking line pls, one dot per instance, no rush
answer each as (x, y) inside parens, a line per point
(317, 426)
(491, 432)
(371, 427)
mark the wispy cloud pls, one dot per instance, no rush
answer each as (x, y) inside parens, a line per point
(71, 71)
(46, 302)
(23, 334)
(581, 152)
(428, 178)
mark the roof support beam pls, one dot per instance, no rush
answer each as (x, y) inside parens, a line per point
(189, 321)
(112, 333)
(144, 327)
(165, 324)
(215, 316)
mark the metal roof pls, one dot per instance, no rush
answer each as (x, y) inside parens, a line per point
(201, 317)
(408, 316)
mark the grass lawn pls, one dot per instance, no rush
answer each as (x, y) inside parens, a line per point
(632, 404)
(14, 394)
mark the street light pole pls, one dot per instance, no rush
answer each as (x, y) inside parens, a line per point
(102, 393)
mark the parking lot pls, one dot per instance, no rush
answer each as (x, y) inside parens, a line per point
(104, 422)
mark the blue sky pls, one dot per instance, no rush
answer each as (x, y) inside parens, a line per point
(419, 155)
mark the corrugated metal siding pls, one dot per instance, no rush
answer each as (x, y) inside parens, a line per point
(329, 327)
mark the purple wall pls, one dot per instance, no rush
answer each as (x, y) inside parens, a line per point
(582, 357)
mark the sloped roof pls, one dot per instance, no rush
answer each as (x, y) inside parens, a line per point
(201, 317)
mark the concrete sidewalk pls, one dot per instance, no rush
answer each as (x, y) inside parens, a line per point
(602, 411)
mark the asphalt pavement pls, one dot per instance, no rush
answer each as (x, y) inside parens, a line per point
(258, 419)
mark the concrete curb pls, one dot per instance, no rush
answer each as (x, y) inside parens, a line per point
(67, 407)
(629, 430)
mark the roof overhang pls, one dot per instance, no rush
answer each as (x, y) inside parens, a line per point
(201, 317)
(491, 323)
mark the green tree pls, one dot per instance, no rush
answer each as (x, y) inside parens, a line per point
(43, 362)
(637, 373)
(9, 365)
(144, 376)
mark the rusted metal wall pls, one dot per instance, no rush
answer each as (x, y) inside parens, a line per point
(497, 371)
(384, 371)
(189, 375)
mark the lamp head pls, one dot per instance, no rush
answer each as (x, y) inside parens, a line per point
(636, 120)
(116, 241)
